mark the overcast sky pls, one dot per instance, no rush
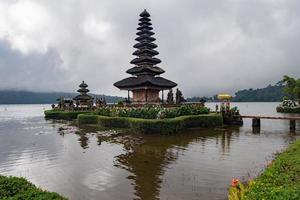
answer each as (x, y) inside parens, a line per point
(206, 46)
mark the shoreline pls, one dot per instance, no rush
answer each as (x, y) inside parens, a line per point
(280, 180)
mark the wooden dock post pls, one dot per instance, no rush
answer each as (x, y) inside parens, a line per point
(256, 122)
(292, 124)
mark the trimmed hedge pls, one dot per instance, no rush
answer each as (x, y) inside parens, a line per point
(66, 115)
(287, 109)
(151, 112)
(19, 188)
(163, 126)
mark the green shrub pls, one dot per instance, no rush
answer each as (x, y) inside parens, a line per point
(153, 112)
(19, 189)
(87, 119)
(169, 125)
(66, 115)
(282, 109)
(113, 122)
(105, 111)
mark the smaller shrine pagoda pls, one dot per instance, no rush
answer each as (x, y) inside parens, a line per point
(83, 99)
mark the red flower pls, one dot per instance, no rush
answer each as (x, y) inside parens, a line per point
(234, 182)
(269, 163)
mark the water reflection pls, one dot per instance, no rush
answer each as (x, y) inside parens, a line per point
(256, 130)
(147, 158)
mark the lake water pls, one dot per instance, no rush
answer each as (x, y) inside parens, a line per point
(91, 164)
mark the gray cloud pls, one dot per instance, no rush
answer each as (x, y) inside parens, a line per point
(206, 46)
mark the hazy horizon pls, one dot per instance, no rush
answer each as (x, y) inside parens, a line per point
(207, 46)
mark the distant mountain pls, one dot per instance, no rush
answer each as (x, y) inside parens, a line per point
(26, 97)
(271, 93)
(267, 94)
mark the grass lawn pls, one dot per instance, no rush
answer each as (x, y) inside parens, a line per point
(280, 181)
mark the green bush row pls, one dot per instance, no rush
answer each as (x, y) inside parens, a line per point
(162, 126)
(287, 109)
(281, 180)
(13, 188)
(152, 112)
(66, 115)
(146, 112)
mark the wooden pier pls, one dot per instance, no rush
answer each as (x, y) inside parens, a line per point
(256, 120)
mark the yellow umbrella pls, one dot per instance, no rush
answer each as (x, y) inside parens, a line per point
(224, 96)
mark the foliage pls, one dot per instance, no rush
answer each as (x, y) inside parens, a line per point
(237, 191)
(146, 112)
(281, 180)
(87, 119)
(152, 112)
(27, 97)
(269, 94)
(13, 188)
(288, 103)
(120, 104)
(170, 97)
(162, 126)
(292, 87)
(288, 109)
(105, 111)
(198, 99)
(179, 97)
(66, 115)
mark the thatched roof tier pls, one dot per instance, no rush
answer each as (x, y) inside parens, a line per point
(145, 37)
(83, 97)
(142, 52)
(145, 27)
(145, 45)
(83, 85)
(145, 81)
(145, 60)
(150, 70)
(145, 14)
(83, 90)
(142, 32)
(144, 19)
(144, 23)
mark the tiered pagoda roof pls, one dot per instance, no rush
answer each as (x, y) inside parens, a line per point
(144, 73)
(83, 96)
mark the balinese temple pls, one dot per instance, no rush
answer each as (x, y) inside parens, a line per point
(83, 99)
(145, 82)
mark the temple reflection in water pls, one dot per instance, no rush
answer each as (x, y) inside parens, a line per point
(147, 157)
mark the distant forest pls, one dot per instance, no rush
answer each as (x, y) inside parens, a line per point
(267, 94)
(25, 97)
(270, 93)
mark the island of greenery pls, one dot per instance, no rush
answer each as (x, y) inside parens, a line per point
(146, 119)
(291, 102)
